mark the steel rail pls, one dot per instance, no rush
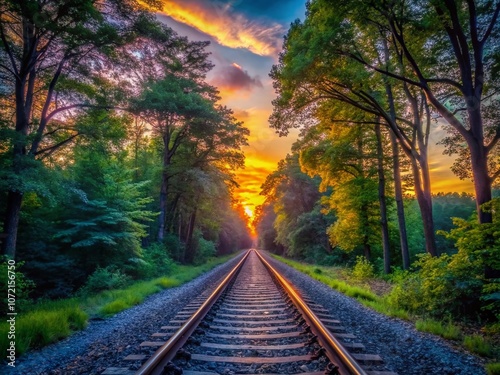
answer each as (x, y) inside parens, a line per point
(155, 364)
(334, 350)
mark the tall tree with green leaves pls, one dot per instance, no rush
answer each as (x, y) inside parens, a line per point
(314, 67)
(448, 49)
(50, 56)
(171, 105)
(341, 154)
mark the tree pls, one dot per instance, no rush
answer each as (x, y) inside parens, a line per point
(107, 214)
(46, 48)
(171, 105)
(450, 52)
(342, 156)
(318, 65)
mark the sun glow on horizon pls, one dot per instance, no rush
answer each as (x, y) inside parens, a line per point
(249, 212)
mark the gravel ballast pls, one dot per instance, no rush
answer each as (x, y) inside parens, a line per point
(104, 343)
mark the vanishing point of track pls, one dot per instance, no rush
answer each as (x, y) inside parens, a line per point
(254, 322)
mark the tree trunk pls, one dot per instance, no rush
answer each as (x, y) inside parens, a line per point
(382, 200)
(162, 217)
(189, 254)
(424, 200)
(367, 251)
(482, 182)
(14, 197)
(163, 209)
(482, 187)
(398, 193)
(14, 202)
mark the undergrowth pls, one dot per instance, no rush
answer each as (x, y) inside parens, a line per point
(354, 285)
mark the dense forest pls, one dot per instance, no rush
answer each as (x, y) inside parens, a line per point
(116, 157)
(370, 84)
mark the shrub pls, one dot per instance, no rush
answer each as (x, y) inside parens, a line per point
(104, 279)
(477, 344)
(166, 282)
(160, 257)
(206, 249)
(363, 270)
(479, 245)
(442, 285)
(156, 261)
(23, 285)
(174, 247)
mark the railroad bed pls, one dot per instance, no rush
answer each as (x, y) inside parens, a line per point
(253, 323)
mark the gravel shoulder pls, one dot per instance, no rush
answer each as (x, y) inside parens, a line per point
(105, 342)
(404, 349)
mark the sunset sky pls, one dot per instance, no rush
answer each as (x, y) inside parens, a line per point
(246, 37)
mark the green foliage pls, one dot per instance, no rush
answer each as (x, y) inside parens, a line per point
(167, 282)
(205, 250)
(102, 279)
(448, 331)
(20, 285)
(128, 297)
(479, 247)
(107, 213)
(291, 218)
(363, 270)
(493, 368)
(478, 345)
(448, 206)
(155, 261)
(442, 285)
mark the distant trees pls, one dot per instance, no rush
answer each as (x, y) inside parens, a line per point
(292, 213)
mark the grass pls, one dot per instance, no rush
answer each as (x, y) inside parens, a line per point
(50, 321)
(448, 331)
(478, 344)
(493, 368)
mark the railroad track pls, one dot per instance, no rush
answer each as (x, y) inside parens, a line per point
(253, 323)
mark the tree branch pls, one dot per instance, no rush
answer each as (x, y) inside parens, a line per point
(53, 148)
(9, 52)
(491, 25)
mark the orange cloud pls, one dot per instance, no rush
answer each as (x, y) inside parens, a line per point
(226, 27)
